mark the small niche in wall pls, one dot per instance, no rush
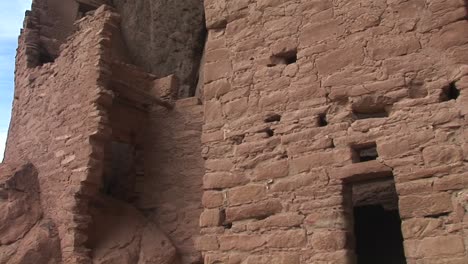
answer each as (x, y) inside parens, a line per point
(365, 152)
(83, 9)
(375, 113)
(283, 58)
(450, 92)
(40, 56)
(45, 57)
(322, 120)
(272, 118)
(196, 77)
(267, 131)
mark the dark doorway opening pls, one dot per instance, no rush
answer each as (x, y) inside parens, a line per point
(377, 223)
(378, 235)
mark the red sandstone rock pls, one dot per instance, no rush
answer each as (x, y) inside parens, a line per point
(149, 140)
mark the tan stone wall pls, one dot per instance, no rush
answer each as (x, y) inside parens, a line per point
(289, 87)
(171, 190)
(56, 119)
(64, 122)
(274, 191)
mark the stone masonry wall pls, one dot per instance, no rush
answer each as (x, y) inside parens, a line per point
(56, 118)
(64, 122)
(294, 88)
(293, 92)
(172, 191)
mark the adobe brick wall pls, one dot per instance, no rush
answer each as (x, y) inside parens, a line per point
(275, 192)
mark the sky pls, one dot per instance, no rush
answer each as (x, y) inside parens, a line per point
(11, 21)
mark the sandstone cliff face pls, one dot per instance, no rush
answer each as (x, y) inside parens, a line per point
(307, 114)
(165, 37)
(26, 235)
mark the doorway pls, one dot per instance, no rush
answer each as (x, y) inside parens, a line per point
(377, 223)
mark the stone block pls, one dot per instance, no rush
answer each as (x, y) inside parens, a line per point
(213, 111)
(217, 70)
(319, 159)
(271, 170)
(277, 220)
(451, 182)
(425, 205)
(255, 210)
(319, 32)
(339, 59)
(435, 247)
(212, 199)
(328, 240)
(216, 89)
(449, 36)
(221, 180)
(391, 46)
(273, 259)
(236, 108)
(246, 194)
(211, 218)
(219, 164)
(442, 155)
(299, 181)
(166, 87)
(241, 242)
(206, 243)
(421, 227)
(287, 239)
(329, 219)
(361, 171)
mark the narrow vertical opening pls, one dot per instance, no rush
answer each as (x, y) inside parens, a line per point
(377, 223)
(199, 57)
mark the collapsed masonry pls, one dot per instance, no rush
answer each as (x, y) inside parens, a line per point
(301, 132)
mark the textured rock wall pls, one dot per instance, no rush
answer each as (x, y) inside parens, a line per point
(55, 117)
(172, 191)
(295, 95)
(165, 37)
(290, 91)
(65, 121)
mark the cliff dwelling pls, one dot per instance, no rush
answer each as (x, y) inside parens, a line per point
(238, 132)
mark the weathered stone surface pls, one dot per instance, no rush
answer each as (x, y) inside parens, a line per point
(261, 163)
(256, 210)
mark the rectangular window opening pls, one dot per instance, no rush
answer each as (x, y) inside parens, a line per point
(366, 152)
(378, 113)
(284, 58)
(377, 222)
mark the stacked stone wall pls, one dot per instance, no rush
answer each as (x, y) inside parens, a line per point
(302, 102)
(57, 120)
(293, 90)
